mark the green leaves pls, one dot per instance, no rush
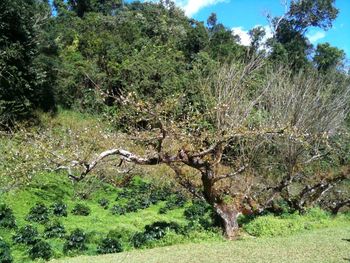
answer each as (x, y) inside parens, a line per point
(25, 80)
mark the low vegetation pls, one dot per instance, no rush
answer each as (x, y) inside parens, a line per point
(102, 231)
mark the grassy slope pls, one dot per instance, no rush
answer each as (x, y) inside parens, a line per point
(51, 187)
(326, 245)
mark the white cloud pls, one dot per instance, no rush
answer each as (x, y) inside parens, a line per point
(314, 37)
(243, 35)
(191, 7)
(245, 38)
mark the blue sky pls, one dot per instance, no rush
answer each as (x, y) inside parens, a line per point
(243, 15)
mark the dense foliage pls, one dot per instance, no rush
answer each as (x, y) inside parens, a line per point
(109, 245)
(94, 48)
(40, 249)
(5, 252)
(81, 210)
(7, 219)
(59, 209)
(54, 230)
(27, 76)
(76, 241)
(153, 232)
(38, 213)
(26, 235)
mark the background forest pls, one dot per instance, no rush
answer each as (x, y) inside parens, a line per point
(237, 139)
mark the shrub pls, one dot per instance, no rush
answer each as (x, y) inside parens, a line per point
(132, 206)
(144, 192)
(197, 210)
(5, 252)
(7, 219)
(54, 229)
(200, 215)
(26, 235)
(144, 202)
(121, 233)
(109, 245)
(38, 213)
(59, 209)
(139, 239)
(160, 194)
(81, 210)
(154, 232)
(75, 241)
(273, 226)
(40, 249)
(104, 203)
(118, 210)
(175, 201)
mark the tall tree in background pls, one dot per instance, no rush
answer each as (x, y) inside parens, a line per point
(289, 44)
(328, 57)
(80, 7)
(22, 87)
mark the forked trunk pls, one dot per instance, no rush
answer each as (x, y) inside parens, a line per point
(229, 216)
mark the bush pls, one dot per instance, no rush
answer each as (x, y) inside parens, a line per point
(40, 249)
(154, 232)
(139, 239)
(271, 226)
(38, 213)
(121, 233)
(118, 210)
(7, 219)
(132, 206)
(81, 210)
(75, 241)
(175, 201)
(5, 252)
(104, 203)
(144, 202)
(145, 193)
(160, 194)
(26, 235)
(200, 215)
(197, 210)
(109, 245)
(54, 229)
(59, 209)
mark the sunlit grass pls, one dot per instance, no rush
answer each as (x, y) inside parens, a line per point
(318, 246)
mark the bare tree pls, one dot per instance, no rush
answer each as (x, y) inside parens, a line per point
(268, 125)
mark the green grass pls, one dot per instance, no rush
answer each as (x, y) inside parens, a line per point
(318, 246)
(51, 187)
(287, 224)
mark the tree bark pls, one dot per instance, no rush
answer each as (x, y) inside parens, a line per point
(228, 215)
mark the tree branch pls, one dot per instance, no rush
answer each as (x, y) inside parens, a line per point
(230, 175)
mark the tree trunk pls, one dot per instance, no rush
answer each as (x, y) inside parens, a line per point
(228, 215)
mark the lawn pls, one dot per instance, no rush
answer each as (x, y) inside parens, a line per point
(322, 245)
